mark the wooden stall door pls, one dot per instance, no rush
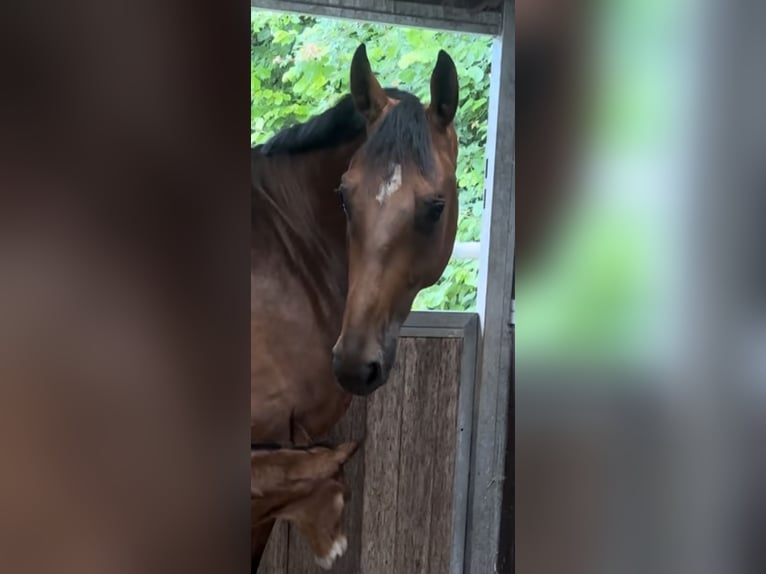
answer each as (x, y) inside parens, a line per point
(399, 519)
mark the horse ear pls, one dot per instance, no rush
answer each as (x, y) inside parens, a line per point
(304, 439)
(369, 97)
(444, 89)
(345, 451)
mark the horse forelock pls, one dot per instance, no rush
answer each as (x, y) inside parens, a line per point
(402, 138)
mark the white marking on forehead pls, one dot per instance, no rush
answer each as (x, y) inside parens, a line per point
(390, 186)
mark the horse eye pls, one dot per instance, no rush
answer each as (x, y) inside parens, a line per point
(435, 209)
(428, 214)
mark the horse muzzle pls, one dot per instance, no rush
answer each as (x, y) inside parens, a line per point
(361, 367)
(357, 375)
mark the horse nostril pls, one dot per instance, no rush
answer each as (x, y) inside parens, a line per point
(373, 372)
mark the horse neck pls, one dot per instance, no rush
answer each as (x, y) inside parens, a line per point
(318, 243)
(324, 173)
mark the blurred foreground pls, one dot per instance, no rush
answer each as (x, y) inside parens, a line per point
(641, 325)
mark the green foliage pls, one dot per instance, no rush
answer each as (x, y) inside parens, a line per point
(300, 66)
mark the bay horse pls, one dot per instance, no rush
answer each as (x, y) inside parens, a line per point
(353, 213)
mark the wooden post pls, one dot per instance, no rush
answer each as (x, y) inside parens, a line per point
(494, 392)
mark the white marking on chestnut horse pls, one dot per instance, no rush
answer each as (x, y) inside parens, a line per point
(338, 549)
(390, 186)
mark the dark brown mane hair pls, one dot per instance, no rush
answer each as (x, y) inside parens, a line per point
(333, 127)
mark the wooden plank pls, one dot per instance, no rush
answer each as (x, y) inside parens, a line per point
(505, 561)
(398, 12)
(447, 381)
(382, 452)
(416, 461)
(463, 443)
(494, 304)
(439, 324)
(275, 558)
(300, 559)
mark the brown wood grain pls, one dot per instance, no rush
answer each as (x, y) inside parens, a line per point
(445, 372)
(382, 452)
(275, 558)
(417, 460)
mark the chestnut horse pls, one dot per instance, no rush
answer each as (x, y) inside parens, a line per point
(353, 213)
(304, 486)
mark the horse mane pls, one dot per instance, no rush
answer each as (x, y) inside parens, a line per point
(334, 127)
